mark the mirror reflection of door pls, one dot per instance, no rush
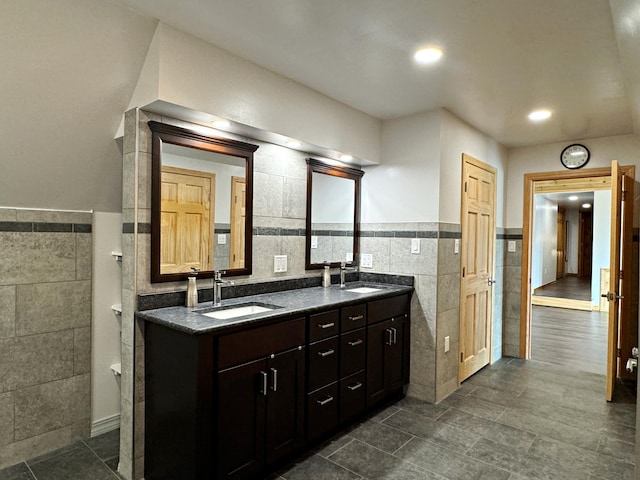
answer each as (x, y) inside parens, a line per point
(187, 219)
(238, 214)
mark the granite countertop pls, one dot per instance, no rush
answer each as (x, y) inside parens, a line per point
(291, 302)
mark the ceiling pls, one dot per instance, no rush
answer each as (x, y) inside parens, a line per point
(502, 59)
(563, 200)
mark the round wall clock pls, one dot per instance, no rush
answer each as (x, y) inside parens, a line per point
(575, 156)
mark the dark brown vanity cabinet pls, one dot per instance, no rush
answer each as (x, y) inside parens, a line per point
(387, 348)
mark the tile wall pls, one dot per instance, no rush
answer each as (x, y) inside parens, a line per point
(511, 293)
(45, 331)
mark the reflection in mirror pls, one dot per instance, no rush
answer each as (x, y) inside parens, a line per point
(333, 213)
(201, 204)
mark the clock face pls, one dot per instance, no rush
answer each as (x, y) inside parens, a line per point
(574, 156)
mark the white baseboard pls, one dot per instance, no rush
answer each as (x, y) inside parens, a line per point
(105, 425)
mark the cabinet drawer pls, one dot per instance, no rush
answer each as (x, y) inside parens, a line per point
(323, 363)
(322, 411)
(352, 396)
(323, 325)
(387, 307)
(353, 352)
(353, 317)
(257, 342)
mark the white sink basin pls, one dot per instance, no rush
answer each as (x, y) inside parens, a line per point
(238, 311)
(364, 290)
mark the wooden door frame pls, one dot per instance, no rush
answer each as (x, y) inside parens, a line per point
(550, 182)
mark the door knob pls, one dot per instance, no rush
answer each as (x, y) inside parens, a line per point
(632, 364)
(634, 352)
(491, 281)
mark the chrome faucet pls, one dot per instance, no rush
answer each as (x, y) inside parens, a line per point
(218, 282)
(343, 272)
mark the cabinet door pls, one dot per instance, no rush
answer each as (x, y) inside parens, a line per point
(285, 404)
(387, 362)
(241, 419)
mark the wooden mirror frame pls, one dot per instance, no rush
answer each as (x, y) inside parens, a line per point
(162, 132)
(316, 166)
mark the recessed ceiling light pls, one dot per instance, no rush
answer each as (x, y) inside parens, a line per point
(220, 124)
(539, 115)
(294, 144)
(573, 198)
(428, 55)
(586, 205)
(346, 157)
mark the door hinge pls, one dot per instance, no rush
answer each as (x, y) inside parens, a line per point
(624, 195)
(621, 275)
(463, 271)
(461, 357)
(465, 187)
(619, 353)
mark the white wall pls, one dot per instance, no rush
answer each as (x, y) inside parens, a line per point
(105, 386)
(186, 71)
(544, 241)
(458, 138)
(601, 240)
(546, 158)
(573, 240)
(405, 188)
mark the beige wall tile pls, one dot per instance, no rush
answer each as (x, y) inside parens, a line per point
(84, 256)
(81, 350)
(128, 183)
(448, 261)
(144, 180)
(448, 292)
(7, 311)
(264, 248)
(404, 262)
(54, 216)
(268, 193)
(294, 249)
(294, 198)
(139, 374)
(8, 215)
(380, 248)
(47, 307)
(50, 406)
(35, 359)
(32, 257)
(6, 418)
(130, 131)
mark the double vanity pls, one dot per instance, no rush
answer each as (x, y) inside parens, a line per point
(234, 391)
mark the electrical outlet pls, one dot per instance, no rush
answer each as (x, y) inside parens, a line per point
(314, 241)
(366, 260)
(222, 239)
(279, 263)
(456, 245)
(415, 245)
(511, 246)
(447, 344)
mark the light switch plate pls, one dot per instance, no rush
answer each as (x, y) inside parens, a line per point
(366, 260)
(456, 245)
(415, 245)
(447, 344)
(349, 257)
(279, 263)
(314, 241)
(511, 246)
(222, 239)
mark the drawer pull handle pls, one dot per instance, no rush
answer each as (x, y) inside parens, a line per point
(263, 389)
(274, 380)
(355, 343)
(326, 353)
(389, 336)
(356, 318)
(324, 401)
(326, 325)
(355, 386)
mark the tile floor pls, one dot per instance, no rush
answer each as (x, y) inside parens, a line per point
(514, 420)
(92, 459)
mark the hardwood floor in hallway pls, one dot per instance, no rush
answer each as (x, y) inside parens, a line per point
(572, 338)
(572, 287)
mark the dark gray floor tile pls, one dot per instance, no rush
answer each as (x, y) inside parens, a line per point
(17, 472)
(381, 436)
(372, 463)
(333, 445)
(420, 407)
(481, 427)
(55, 453)
(79, 463)
(541, 425)
(496, 381)
(582, 460)
(383, 414)
(474, 406)
(498, 397)
(112, 463)
(318, 468)
(106, 445)
(465, 389)
(623, 414)
(518, 462)
(438, 432)
(622, 451)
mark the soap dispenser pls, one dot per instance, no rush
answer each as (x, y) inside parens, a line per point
(326, 278)
(192, 289)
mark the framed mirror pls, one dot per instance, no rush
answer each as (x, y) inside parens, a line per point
(201, 204)
(333, 214)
